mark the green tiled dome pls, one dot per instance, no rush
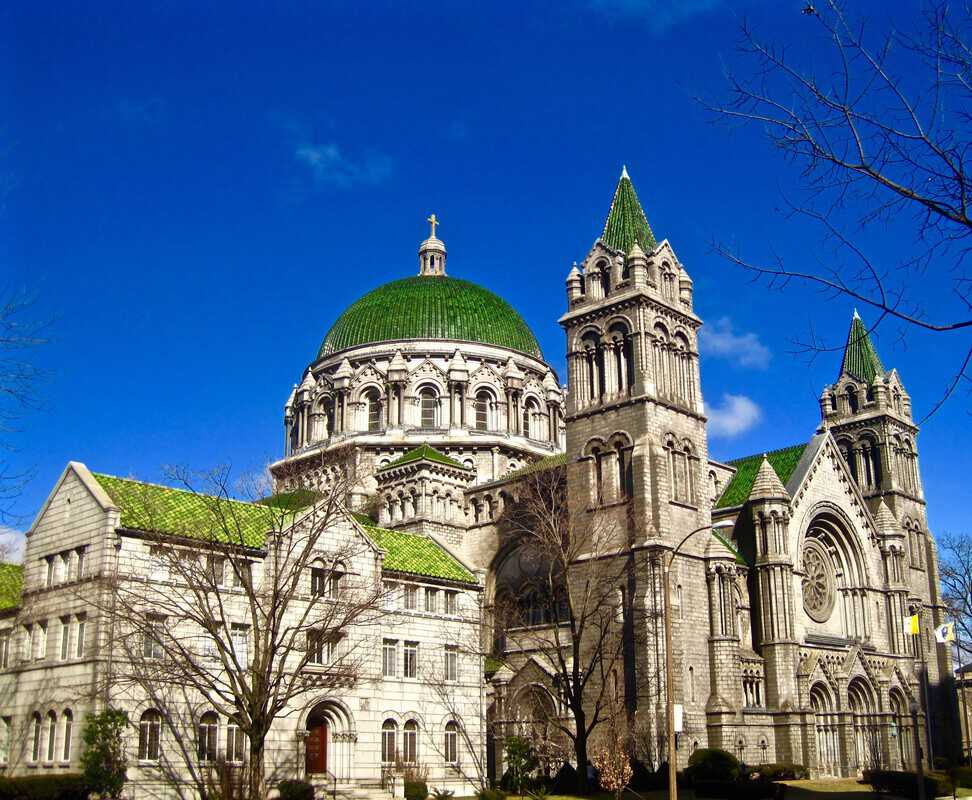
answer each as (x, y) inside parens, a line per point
(430, 307)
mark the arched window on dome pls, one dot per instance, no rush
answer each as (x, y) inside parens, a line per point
(483, 404)
(428, 407)
(373, 405)
(530, 411)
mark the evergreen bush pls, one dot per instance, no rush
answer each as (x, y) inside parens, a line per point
(295, 790)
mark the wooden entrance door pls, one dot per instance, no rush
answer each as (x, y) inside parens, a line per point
(316, 746)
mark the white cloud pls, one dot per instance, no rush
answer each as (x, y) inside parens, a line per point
(734, 416)
(330, 167)
(742, 349)
(12, 544)
(660, 14)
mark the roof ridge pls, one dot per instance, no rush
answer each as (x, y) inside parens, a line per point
(766, 453)
(189, 492)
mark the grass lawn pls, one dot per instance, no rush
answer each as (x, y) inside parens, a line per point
(825, 789)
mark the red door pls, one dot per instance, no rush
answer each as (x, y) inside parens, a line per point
(316, 746)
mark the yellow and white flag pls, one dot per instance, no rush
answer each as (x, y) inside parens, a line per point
(911, 625)
(945, 633)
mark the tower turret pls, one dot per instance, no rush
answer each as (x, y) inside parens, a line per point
(869, 413)
(432, 252)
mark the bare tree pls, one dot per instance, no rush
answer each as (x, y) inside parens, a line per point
(566, 608)
(955, 573)
(877, 130)
(447, 682)
(19, 377)
(260, 604)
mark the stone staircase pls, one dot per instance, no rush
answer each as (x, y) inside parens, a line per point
(325, 789)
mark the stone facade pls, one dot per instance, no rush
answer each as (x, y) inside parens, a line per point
(795, 651)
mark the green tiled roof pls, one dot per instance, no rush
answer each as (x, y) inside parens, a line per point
(423, 452)
(783, 461)
(162, 509)
(414, 554)
(430, 307)
(860, 358)
(626, 221)
(541, 464)
(11, 584)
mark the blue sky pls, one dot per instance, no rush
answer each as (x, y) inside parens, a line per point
(195, 194)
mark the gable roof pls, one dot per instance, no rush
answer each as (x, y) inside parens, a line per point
(11, 585)
(860, 360)
(153, 508)
(424, 452)
(414, 554)
(626, 221)
(784, 461)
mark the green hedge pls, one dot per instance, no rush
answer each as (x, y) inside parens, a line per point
(904, 784)
(712, 764)
(295, 790)
(44, 787)
(782, 772)
(416, 790)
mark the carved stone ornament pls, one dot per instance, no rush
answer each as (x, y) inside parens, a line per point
(818, 582)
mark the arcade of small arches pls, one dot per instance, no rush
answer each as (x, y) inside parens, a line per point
(425, 406)
(603, 364)
(862, 730)
(602, 276)
(611, 475)
(849, 398)
(444, 504)
(684, 468)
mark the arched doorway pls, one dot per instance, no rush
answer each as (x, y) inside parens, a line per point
(866, 724)
(316, 750)
(825, 719)
(330, 741)
(901, 730)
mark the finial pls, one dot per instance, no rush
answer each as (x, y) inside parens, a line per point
(856, 315)
(624, 172)
(433, 221)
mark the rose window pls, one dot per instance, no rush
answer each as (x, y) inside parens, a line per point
(818, 582)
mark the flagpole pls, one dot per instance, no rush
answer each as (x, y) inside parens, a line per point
(966, 740)
(924, 687)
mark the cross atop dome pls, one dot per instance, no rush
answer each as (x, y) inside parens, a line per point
(432, 252)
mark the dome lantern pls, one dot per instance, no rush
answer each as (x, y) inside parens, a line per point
(432, 252)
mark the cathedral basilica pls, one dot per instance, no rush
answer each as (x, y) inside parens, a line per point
(791, 645)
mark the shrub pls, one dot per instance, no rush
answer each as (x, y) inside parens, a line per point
(963, 776)
(416, 790)
(44, 787)
(491, 794)
(903, 784)
(642, 778)
(712, 764)
(442, 794)
(565, 781)
(295, 790)
(782, 772)
(103, 761)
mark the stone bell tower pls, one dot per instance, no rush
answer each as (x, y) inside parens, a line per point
(636, 439)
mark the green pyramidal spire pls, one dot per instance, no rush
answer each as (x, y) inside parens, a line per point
(626, 221)
(860, 358)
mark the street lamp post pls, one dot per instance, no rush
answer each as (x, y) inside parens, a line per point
(669, 662)
(917, 737)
